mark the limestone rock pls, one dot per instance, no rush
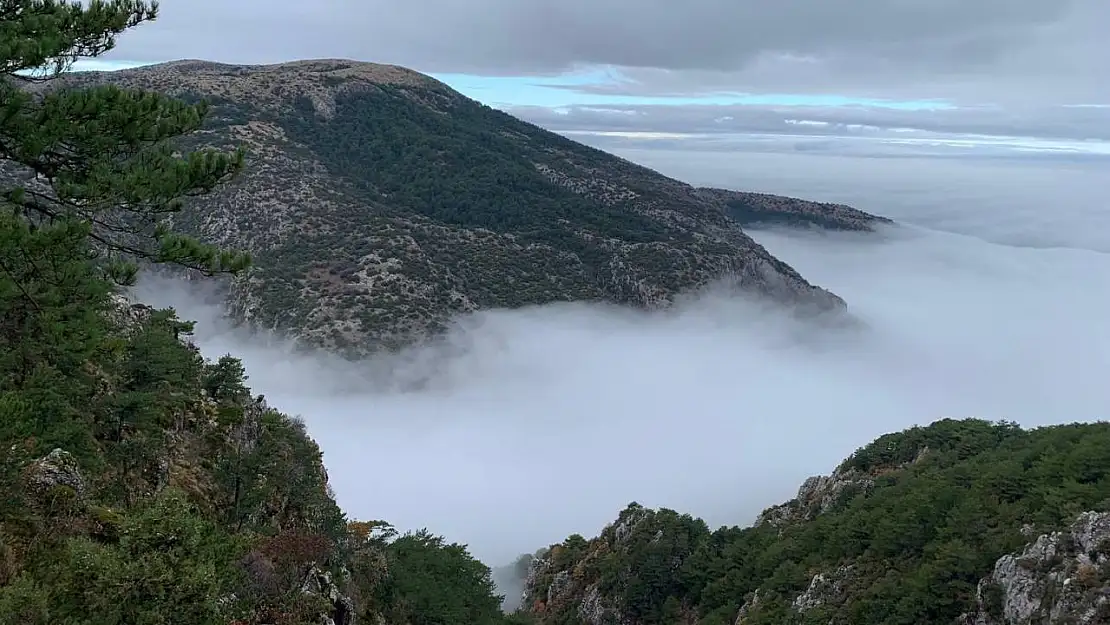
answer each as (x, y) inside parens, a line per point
(128, 314)
(594, 609)
(564, 587)
(1061, 578)
(824, 588)
(747, 608)
(816, 495)
(819, 493)
(55, 474)
(320, 583)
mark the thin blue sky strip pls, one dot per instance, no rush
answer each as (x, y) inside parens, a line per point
(558, 91)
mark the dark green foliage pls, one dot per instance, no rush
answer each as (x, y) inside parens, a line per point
(949, 500)
(379, 203)
(168, 561)
(273, 474)
(459, 168)
(52, 330)
(964, 438)
(645, 565)
(762, 209)
(177, 497)
(751, 214)
(101, 155)
(118, 388)
(410, 168)
(432, 582)
(927, 535)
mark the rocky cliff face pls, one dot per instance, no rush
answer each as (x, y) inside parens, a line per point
(377, 202)
(1060, 578)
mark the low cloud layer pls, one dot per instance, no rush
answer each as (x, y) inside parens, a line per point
(551, 419)
(1077, 124)
(988, 51)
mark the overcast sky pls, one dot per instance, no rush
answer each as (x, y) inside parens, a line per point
(1030, 68)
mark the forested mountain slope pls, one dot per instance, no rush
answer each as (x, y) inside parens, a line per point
(957, 522)
(377, 202)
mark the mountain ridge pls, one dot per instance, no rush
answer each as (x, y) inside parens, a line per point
(378, 203)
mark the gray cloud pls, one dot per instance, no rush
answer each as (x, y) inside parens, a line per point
(988, 50)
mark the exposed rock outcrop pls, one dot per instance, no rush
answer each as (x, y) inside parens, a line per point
(816, 495)
(901, 532)
(591, 581)
(593, 608)
(824, 588)
(820, 493)
(1061, 578)
(746, 609)
(55, 476)
(130, 315)
(341, 610)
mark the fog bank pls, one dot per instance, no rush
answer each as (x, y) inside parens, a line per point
(553, 418)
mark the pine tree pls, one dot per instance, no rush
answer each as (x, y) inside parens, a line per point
(101, 155)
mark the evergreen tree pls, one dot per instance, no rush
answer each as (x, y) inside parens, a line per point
(102, 155)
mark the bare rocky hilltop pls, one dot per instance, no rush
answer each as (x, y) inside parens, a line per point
(378, 202)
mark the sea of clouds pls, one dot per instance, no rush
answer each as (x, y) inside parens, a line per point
(991, 299)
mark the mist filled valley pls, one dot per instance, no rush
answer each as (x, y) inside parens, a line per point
(991, 298)
(565, 314)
